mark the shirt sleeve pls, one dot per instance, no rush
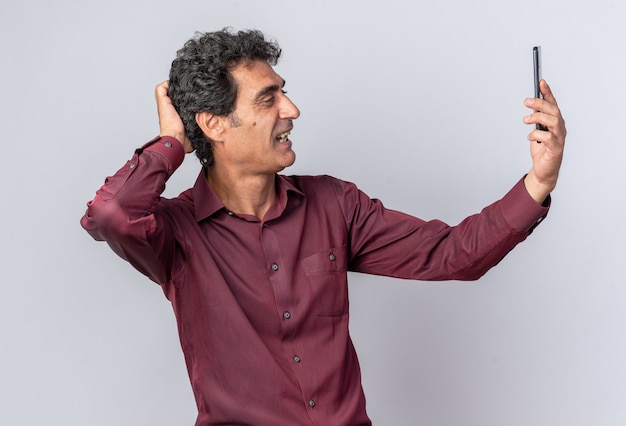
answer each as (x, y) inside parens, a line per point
(122, 212)
(391, 243)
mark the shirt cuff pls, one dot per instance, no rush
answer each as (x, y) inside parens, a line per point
(167, 146)
(521, 211)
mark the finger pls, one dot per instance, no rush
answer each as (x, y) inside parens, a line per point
(548, 104)
(542, 117)
(553, 137)
(160, 91)
(546, 92)
(553, 127)
(550, 111)
(538, 136)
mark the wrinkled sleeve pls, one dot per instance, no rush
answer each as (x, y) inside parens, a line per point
(391, 243)
(122, 212)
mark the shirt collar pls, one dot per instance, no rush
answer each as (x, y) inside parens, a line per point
(207, 203)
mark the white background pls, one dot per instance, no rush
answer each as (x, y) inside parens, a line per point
(420, 104)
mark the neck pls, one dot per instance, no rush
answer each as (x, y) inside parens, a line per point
(243, 194)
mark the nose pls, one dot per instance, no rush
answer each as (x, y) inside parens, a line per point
(288, 110)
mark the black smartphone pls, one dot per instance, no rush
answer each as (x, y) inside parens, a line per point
(537, 72)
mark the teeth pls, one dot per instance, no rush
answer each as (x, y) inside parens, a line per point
(283, 136)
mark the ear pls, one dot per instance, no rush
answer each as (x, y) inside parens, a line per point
(210, 124)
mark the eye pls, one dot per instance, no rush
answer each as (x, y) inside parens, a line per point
(269, 100)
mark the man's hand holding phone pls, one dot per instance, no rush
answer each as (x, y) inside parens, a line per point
(547, 153)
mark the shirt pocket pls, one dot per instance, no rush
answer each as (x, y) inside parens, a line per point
(328, 279)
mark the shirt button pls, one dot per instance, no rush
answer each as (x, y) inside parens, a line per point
(231, 214)
(311, 403)
(131, 165)
(296, 358)
(287, 314)
(332, 257)
(274, 267)
(168, 144)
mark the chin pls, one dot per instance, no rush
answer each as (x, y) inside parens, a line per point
(288, 162)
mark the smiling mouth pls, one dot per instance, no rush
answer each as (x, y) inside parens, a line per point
(283, 137)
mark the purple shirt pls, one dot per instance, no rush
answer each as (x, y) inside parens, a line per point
(262, 305)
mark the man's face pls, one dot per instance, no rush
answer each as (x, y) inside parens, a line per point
(256, 134)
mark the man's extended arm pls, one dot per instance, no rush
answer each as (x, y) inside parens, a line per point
(435, 251)
(392, 243)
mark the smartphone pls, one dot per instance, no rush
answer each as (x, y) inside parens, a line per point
(537, 72)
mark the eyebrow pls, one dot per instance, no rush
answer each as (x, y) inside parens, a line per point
(267, 90)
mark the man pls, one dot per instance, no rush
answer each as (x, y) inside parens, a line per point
(255, 263)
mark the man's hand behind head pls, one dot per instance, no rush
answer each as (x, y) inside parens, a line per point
(170, 122)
